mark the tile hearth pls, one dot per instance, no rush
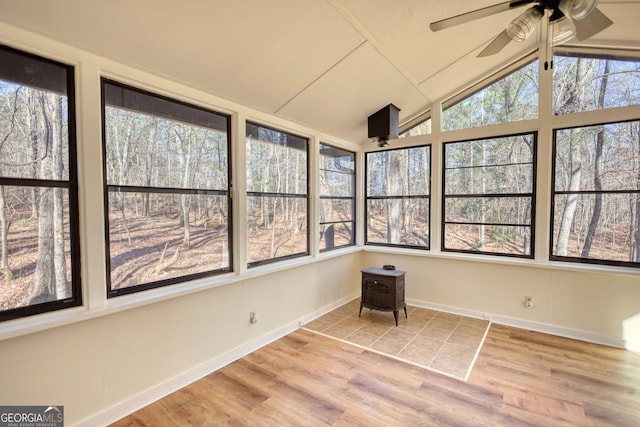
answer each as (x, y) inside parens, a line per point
(442, 342)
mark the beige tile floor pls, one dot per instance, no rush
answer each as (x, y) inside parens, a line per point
(442, 342)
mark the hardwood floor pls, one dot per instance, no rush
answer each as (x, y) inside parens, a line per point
(521, 378)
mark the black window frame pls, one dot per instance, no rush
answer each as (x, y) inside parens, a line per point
(580, 260)
(284, 195)
(34, 70)
(158, 103)
(396, 197)
(352, 197)
(445, 196)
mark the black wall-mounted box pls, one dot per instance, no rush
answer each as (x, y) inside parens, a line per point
(383, 124)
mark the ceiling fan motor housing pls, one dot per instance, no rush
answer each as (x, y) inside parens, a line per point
(568, 18)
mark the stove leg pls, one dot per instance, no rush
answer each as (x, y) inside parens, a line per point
(405, 312)
(395, 315)
(360, 310)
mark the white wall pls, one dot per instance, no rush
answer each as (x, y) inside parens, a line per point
(101, 368)
(585, 304)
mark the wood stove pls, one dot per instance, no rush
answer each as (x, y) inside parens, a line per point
(383, 290)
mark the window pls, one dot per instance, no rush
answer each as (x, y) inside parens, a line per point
(398, 197)
(489, 187)
(510, 99)
(337, 197)
(277, 195)
(596, 199)
(39, 243)
(167, 190)
(422, 127)
(587, 83)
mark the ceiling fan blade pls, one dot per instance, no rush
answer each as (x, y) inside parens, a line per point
(496, 45)
(476, 14)
(591, 25)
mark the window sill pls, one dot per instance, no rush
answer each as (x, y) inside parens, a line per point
(521, 262)
(27, 325)
(18, 327)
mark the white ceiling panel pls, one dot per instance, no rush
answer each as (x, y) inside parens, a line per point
(401, 29)
(364, 78)
(260, 53)
(466, 71)
(327, 64)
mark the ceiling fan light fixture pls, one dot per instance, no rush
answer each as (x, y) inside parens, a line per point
(577, 9)
(582, 20)
(524, 25)
(562, 30)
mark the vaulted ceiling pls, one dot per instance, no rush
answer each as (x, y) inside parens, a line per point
(326, 64)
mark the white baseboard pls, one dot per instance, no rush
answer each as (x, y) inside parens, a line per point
(529, 325)
(447, 309)
(327, 308)
(146, 397)
(171, 385)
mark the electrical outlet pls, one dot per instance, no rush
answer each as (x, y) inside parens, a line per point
(528, 302)
(253, 317)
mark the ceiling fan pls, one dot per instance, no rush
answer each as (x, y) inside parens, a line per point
(567, 19)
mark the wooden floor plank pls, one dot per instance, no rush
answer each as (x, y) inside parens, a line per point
(520, 378)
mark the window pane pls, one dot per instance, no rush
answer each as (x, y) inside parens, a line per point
(491, 179)
(400, 172)
(132, 99)
(147, 248)
(510, 99)
(487, 168)
(587, 84)
(154, 152)
(337, 160)
(423, 128)
(35, 274)
(276, 228)
(337, 197)
(596, 210)
(489, 210)
(33, 122)
(336, 184)
(257, 132)
(490, 152)
(166, 164)
(276, 195)
(615, 236)
(617, 162)
(398, 187)
(398, 221)
(489, 239)
(332, 210)
(39, 267)
(274, 165)
(336, 235)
